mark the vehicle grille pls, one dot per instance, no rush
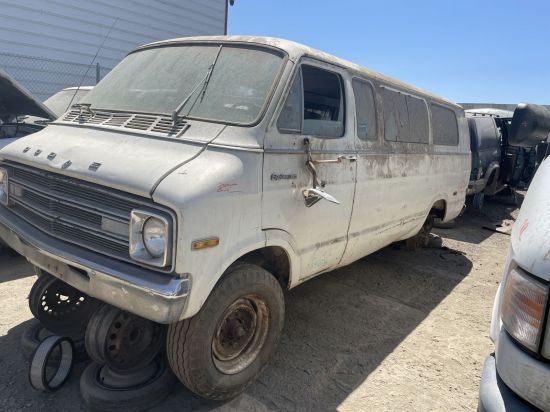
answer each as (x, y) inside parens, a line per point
(137, 122)
(73, 210)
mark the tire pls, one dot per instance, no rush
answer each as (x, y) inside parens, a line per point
(194, 345)
(99, 397)
(451, 224)
(478, 200)
(35, 334)
(71, 309)
(422, 238)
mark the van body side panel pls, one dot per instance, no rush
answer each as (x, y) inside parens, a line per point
(217, 195)
(398, 184)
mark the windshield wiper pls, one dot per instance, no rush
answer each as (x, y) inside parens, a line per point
(203, 83)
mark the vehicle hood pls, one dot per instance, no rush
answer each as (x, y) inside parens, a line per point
(16, 100)
(531, 232)
(129, 162)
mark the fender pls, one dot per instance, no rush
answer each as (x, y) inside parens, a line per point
(283, 239)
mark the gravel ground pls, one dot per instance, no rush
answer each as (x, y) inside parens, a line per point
(397, 330)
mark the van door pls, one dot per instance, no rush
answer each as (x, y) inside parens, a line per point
(313, 124)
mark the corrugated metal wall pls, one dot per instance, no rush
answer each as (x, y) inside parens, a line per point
(48, 44)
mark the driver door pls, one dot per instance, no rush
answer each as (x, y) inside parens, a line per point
(314, 111)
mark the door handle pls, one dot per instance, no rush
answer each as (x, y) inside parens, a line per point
(339, 159)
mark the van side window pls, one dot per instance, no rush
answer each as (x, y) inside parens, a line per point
(321, 97)
(365, 109)
(419, 122)
(396, 118)
(290, 119)
(444, 125)
(323, 103)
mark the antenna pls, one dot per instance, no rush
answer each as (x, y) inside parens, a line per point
(91, 63)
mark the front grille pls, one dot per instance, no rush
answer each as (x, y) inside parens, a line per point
(73, 210)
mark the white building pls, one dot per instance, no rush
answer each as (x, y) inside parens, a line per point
(50, 44)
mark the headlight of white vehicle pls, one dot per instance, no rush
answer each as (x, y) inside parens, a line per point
(523, 308)
(3, 186)
(150, 238)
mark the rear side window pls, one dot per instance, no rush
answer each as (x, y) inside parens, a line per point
(365, 110)
(444, 125)
(419, 121)
(396, 118)
(315, 104)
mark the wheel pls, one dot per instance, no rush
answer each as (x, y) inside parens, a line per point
(478, 200)
(422, 238)
(447, 225)
(35, 334)
(221, 350)
(59, 307)
(102, 390)
(123, 341)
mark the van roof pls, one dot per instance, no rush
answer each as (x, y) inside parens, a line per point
(297, 50)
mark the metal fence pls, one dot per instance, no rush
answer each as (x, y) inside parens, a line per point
(45, 77)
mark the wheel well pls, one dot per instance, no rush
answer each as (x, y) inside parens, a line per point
(439, 208)
(274, 259)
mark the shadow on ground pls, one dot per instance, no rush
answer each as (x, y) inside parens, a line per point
(13, 266)
(339, 328)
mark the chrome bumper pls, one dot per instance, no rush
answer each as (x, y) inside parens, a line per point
(155, 296)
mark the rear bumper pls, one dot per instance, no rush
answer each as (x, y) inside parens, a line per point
(155, 296)
(494, 395)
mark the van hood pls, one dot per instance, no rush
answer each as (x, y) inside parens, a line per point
(126, 161)
(531, 232)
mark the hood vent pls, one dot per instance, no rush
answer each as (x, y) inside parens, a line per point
(137, 122)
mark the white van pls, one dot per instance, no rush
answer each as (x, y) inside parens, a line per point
(202, 176)
(517, 376)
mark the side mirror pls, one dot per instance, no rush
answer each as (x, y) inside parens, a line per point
(530, 125)
(312, 196)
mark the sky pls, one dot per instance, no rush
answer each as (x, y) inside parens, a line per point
(490, 51)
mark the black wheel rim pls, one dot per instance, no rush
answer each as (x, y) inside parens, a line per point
(123, 341)
(60, 308)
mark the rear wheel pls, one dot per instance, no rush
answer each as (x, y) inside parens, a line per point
(422, 238)
(478, 200)
(220, 351)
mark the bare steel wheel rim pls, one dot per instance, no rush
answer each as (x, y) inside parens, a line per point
(240, 334)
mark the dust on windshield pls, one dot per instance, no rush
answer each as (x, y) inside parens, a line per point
(157, 80)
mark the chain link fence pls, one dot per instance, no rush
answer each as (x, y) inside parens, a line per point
(45, 77)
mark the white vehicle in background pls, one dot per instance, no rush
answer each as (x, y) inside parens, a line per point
(517, 376)
(60, 102)
(202, 176)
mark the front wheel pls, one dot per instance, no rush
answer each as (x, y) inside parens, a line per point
(221, 350)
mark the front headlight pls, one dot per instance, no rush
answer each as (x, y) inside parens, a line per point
(3, 186)
(523, 308)
(150, 238)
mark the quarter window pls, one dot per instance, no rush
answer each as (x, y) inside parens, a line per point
(315, 104)
(418, 120)
(365, 109)
(290, 119)
(396, 118)
(444, 125)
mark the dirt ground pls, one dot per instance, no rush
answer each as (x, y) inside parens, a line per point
(397, 330)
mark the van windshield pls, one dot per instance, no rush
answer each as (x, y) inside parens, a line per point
(158, 80)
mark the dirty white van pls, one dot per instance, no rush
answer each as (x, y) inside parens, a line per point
(203, 176)
(517, 376)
